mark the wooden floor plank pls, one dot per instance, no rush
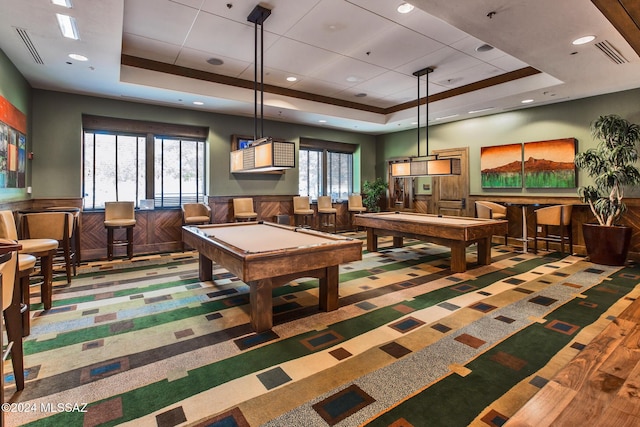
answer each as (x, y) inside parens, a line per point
(543, 408)
(600, 386)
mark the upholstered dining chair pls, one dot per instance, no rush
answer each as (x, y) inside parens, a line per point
(11, 310)
(44, 249)
(243, 209)
(326, 210)
(118, 215)
(53, 225)
(195, 214)
(492, 210)
(302, 209)
(558, 216)
(355, 206)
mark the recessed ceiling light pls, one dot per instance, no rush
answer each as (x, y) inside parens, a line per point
(527, 101)
(292, 79)
(480, 110)
(352, 79)
(484, 48)
(322, 121)
(583, 40)
(64, 3)
(215, 61)
(405, 8)
(198, 103)
(68, 26)
(447, 117)
(360, 95)
(78, 57)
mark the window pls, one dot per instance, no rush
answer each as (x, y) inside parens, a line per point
(122, 164)
(326, 168)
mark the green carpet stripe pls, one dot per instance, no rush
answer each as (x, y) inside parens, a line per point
(488, 379)
(138, 403)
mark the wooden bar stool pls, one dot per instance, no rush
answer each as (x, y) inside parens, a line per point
(119, 215)
(326, 209)
(302, 209)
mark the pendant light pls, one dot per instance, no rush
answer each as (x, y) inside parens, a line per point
(427, 165)
(263, 153)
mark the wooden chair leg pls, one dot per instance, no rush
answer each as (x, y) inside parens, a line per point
(130, 242)
(13, 325)
(109, 243)
(25, 298)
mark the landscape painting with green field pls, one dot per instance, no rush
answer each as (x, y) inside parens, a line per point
(549, 164)
(501, 166)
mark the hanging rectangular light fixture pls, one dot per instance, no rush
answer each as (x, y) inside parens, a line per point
(262, 154)
(428, 165)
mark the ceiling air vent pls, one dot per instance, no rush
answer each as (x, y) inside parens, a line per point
(611, 52)
(22, 33)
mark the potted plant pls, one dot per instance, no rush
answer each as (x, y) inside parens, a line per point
(372, 192)
(611, 167)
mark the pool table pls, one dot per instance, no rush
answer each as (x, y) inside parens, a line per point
(266, 255)
(453, 231)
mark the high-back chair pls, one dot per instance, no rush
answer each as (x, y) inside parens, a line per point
(118, 215)
(492, 210)
(11, 310)
(326, 209)
(75, 232)
(558, 216)
(355, 206)
(42, 248)
(52, 225)
(243, 209)
(302, 209)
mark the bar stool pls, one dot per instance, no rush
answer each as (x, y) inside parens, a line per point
(53, 225)
(559, 216)
(355, 206)
(195, 214)
(243, 209)
(118, 215)
(326, 209)
(302, 209)
(44, 249)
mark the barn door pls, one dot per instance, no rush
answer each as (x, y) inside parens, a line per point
(451, 193)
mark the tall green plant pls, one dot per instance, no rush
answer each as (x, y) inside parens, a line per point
(372, 192)
(611, 166)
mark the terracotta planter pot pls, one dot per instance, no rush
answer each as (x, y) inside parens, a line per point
(607, 245)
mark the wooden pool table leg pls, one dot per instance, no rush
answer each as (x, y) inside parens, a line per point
(372, 240)
(398, 241)
(205, 268)
(458, 257)
(261, 302)
(329, 289)
(484, 251)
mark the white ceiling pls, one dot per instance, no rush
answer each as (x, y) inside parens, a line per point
(340, 49)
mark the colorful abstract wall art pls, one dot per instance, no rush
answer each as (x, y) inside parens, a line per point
(13, 146)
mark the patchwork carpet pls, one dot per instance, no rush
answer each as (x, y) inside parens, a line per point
(145, 343)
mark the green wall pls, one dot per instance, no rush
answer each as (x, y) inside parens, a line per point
(562, 120)
(57, 164)
(15, 89)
